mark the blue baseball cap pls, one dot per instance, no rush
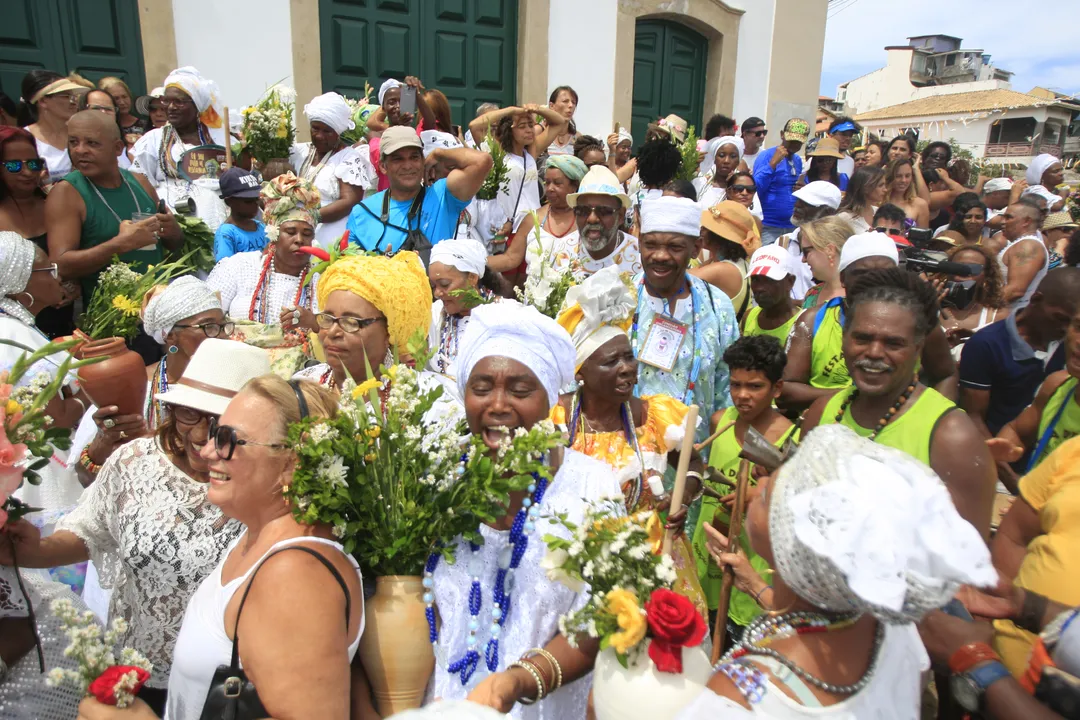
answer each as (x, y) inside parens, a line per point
(843, 127)
(239, 183)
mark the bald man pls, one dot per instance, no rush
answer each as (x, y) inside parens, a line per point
(1024, 257)
(89, 214)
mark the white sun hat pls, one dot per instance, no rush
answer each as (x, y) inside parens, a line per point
(216, 373)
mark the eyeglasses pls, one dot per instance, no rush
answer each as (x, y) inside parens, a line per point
(748, 189)
(225, 440)
(602, 212)
(166, 102)
(348, 324)
(756, 133)
(191, 416)
(14, 166)
(67, 95)
(52, 268)
(102, 108)
(210, 329)
(890, 231)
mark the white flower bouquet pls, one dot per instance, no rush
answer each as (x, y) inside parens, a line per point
(546, 288)
(268, 126)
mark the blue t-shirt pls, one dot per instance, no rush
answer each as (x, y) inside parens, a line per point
(230, 240)
(438, 218)
(997, 359)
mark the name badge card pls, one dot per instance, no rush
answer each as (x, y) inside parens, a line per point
(662, 343)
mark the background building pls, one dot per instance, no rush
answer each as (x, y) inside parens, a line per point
(631, 61)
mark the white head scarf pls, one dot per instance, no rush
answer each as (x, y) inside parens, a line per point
(204, 93)
(670, 214)
(519, 332)
(714, 146)
(600, 309)
(183, 298)
(433, 139)
(331, 109)
(16, 262)
(858, 526)
(390, 84)
(451, 710)
(464, 254)
(868, 244)
(1038, 166)
(624, 136)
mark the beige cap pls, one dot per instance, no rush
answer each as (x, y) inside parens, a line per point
(397, 138)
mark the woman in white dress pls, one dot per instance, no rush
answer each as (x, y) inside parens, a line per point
(712, 185)
(272, 285)
(511, 364)
(864, 541)
(340, 173)
(455, 265)
(49, 100)
(146, 521)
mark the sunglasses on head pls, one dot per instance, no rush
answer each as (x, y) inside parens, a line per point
(14, 166)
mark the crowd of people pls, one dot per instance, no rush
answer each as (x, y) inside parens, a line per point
(908, 338)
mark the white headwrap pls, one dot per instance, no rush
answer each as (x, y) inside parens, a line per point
(451, 710)
(390, 84)
(1038, 166)
(16, 261)
(714, 145)
(599, 309)
(1042, 191)
(184, 297)
(464, 254)
(433, 139)
(858, 526)
(997, 184)
(331, 109)
(512, 330)
(865, 245)
(204, 93)
(670, 214)
(624, 136)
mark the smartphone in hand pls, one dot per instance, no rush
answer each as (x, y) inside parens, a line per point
(408, 99)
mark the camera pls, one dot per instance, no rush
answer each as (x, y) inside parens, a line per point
(957, 293)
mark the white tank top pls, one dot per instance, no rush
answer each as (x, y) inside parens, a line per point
(1034, 284)
(203, 644)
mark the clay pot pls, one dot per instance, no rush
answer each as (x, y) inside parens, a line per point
(641, 690)
(275, 167)
(394, 648)
(118, 380)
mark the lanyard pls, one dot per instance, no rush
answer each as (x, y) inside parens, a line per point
(1049, 432)
(695, 366)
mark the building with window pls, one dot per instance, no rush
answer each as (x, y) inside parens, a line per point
(631, 61)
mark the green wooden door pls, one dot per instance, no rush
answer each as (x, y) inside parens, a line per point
(669, 74)
(465, 48)
(92, 37)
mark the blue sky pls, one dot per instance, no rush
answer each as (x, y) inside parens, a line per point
(1020, 37)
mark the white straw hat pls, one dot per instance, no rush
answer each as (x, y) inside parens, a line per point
(216, 373)
(599, 181)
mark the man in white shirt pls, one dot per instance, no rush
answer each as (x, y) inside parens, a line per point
(843, 129)
(812, 201)
(753, 135)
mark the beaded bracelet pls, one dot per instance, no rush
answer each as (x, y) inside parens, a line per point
(89, 465)
(757, 595)
(532, 670)
(556, 668)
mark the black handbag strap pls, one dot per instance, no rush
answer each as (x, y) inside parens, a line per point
(234, 664)
(413, 213)
(521, 187)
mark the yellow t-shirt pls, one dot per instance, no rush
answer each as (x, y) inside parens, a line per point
(1051, 566)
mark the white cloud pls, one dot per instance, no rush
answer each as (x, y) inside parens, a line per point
(1020, 38)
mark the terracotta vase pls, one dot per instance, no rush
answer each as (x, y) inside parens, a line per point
(118, 380)
(394, 648)
(643, 691)
(275, 167)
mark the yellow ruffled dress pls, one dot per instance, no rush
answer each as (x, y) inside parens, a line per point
(661, 433)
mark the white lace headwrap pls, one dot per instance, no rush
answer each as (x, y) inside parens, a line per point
(16, 262)
(331, 109)
(519, 332)
(184, 297)
(857, 526)
(600, 309)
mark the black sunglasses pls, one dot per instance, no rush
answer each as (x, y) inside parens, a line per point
(348, 324)
(225, 440)
(210, 329)
(758, 133)
(602, 212)
(890, 231)
(748, 189)
(14, 166)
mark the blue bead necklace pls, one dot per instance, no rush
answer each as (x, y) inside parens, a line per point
(508, 561)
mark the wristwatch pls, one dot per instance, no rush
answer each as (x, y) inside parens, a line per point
(975, 668)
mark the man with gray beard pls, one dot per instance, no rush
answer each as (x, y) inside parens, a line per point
(598, 242)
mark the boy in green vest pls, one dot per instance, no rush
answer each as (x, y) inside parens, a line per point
(756, 366)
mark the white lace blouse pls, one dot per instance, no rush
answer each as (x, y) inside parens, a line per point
(536, 602)
(236, 277)
(153, 537)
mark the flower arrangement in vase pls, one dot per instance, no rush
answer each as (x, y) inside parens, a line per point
(651, 663)
(361, 111)
(268, 127)
(113, 309)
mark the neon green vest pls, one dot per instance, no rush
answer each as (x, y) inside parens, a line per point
(827, 366)
(751, 327)
(1067, 426)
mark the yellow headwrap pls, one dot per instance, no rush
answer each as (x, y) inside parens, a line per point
(599, 309)
(397, 286)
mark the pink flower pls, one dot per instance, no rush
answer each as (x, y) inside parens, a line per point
(10, 456)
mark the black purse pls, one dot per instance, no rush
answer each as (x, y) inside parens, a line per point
(231, 695)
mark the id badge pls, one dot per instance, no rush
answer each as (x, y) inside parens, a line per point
(662, 343)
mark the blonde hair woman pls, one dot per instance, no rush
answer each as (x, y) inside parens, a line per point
(131, 126)
(900, 179)
(822, 241)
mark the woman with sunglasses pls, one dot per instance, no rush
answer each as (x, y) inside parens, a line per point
(742, 189)
(48, 101)
(146, 521)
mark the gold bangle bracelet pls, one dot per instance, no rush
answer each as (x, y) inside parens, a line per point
(536, 676)
(556, 668)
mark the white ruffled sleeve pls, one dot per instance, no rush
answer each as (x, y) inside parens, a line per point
(356, 169)
(145, 156)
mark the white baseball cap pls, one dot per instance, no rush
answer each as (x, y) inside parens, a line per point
(819, 194)
(868, 244)
(771, 261)
(997, 185)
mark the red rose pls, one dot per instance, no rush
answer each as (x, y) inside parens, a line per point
(675, 623)
(104, 688)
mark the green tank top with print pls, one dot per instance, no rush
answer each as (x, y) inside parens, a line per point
(102, 225)
(827, 367)
(1067, 426)
(751, 326)
(724, 456)
(912, 432)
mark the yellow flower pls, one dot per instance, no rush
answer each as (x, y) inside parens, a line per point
(282, 130)
(365, 387)
(370, 457)
(125, 305)
(624, 606)
(654, 527)
(374, 431)
(12, 407)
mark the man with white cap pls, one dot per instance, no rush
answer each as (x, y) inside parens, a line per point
(772, 275)
(995, 196)
(682, 325)
(813, 200)
(598, 206)
(409, 215)
(816, 367)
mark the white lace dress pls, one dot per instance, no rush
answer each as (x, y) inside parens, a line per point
(235, 279)
(153, 537)
(23, 692)
(536, 602)
(349, 165)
